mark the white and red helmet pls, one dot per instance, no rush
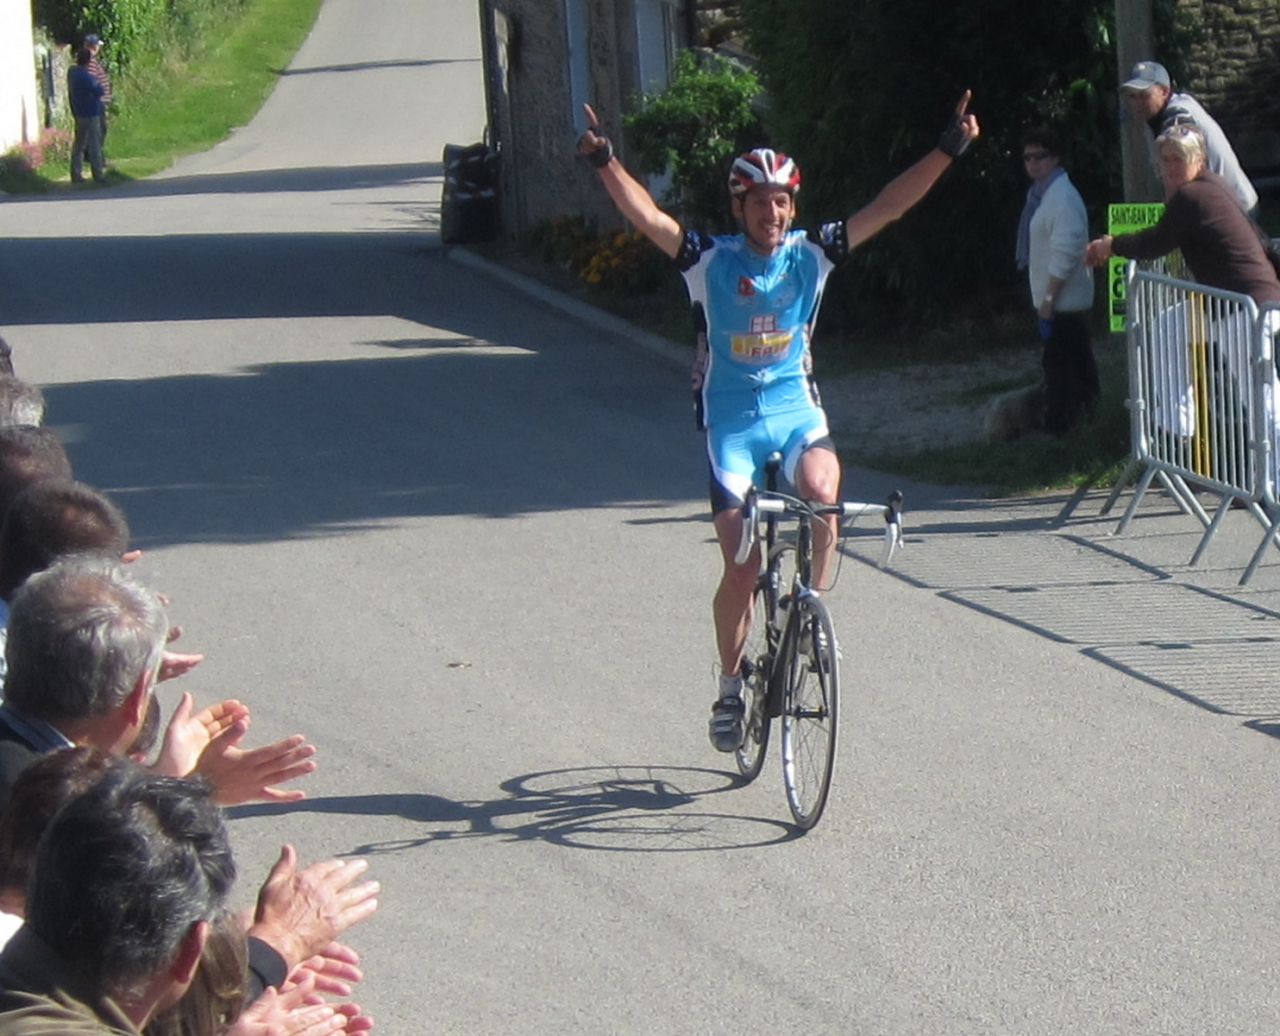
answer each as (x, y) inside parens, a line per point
(763, 166)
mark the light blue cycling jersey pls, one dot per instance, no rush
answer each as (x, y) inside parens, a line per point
(752, 372)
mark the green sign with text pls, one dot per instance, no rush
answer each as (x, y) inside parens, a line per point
(1125, 219)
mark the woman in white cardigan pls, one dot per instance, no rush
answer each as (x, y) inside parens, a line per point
(1052, 237)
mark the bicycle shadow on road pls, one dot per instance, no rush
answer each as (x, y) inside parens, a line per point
(608, 808)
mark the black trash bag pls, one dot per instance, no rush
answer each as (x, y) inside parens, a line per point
(469, 204)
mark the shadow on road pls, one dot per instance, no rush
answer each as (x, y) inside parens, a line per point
(323, 447)
(616, 809)
(1052, 566)
(374, 66)
(257, 181)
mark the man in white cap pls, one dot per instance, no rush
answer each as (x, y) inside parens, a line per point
(93, 44)
(1149, 95)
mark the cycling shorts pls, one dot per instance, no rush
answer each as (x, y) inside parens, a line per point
(737, 449)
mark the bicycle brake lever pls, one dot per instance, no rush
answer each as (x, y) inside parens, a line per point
(748, 538)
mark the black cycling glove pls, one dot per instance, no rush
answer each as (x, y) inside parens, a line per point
(954, 140)
(600, 156)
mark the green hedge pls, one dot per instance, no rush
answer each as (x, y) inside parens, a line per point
(135, 30)
(860, 90)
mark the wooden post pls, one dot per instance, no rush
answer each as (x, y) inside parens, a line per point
(1135, 42)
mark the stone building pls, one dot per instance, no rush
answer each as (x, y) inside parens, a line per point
(543, 60)
(1234, 68)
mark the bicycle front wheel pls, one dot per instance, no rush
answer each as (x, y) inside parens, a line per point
(810, 711)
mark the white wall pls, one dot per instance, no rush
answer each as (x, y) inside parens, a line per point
(655, 40)
(19, 108)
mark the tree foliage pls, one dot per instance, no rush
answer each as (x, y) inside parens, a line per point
(692, 129)
(859, 90)
(132, 28)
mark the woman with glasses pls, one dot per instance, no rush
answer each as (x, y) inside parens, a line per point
(1052, 236)
(1203, 216)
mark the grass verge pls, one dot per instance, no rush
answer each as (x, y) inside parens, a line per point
(189, 103)
(1094, 454)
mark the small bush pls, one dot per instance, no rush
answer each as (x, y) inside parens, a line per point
(693, 129)
(565, 242)
(20, 166)
(623, 261)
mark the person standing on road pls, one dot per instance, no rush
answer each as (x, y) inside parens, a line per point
(1148, 94)
(93, 44)
(755, 296)
(85, 94)
(1052, 236)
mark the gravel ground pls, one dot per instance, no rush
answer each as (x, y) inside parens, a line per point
(911, 407)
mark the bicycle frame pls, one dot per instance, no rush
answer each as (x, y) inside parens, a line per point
(791, 667)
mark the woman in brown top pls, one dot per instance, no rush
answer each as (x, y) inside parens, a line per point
(1222, 246)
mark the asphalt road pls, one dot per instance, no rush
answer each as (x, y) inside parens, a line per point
(459, 540)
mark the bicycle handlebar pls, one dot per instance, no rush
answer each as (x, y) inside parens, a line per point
(780, 503)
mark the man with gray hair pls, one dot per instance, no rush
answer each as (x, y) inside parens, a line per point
(129, 877)
(20, 402)
(85, 643)
(84, 649)
(1149, 95)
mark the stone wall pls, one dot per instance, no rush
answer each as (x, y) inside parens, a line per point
(533, 117)
(1234, 69)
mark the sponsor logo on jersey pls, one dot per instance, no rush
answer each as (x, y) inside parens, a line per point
(746, 286)
(764, 347)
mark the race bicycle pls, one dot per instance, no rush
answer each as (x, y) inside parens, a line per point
(791, 663)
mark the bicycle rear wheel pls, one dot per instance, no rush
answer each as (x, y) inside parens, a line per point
(758, 661)
(810, 711)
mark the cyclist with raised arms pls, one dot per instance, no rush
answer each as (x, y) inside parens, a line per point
(755, 296)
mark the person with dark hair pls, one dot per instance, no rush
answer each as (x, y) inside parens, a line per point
(1052, 237)
(56, 517)
(28, 454)
(20, 401)
(132, 875)
(129, 876)
(51, 519)
(6, 359)
(39, 792)
(85, 94)
(235, 967)
(754, 298)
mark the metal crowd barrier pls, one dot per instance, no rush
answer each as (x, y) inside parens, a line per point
(1202, 398)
